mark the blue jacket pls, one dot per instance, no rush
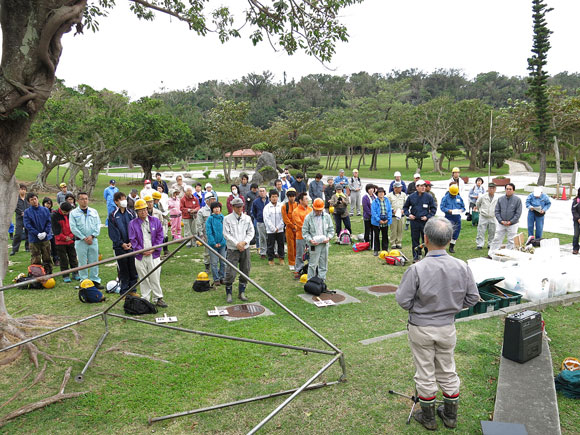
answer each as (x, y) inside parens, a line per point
(214, 229)
(84, 225)
(300, 186)
(376, 212)
(258, 209)
(37, 220)
(543, 201)
(420, 205)
(160, 183)
(343, 181)
(108, 194)
(450, 202)
(200, 197)
(119, 228)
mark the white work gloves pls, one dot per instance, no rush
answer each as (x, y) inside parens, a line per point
(41, 236)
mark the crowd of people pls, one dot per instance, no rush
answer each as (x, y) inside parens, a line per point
(291, 220)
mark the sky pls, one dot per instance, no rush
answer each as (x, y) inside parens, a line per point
(142, 57)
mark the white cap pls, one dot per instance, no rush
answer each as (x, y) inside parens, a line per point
(538, 191)
(282, 176)
(208, 185)
(397, 174)
(419, 182)
(417, 175)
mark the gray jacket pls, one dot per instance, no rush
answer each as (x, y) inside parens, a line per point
(315, 190)
(310, 230)
(435, 289)
(508, 208)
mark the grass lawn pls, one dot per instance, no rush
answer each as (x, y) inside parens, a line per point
(125, 390)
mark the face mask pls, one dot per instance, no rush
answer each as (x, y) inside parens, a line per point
(235, 191)
(123, 203)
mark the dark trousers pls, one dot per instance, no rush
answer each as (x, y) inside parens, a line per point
(417, 236)
(68, 257)
(273, 239)
(242, 261)
(377, 233)
(20, 233)
(338, 221)
(127, 271)
(576, 236)
(40, 254)
(53, 250)
(368, 230)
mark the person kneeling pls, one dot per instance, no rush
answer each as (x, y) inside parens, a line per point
(433, 291)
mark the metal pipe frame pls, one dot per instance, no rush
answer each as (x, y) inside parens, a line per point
(338, 355)
(227, 337)
(240, 402)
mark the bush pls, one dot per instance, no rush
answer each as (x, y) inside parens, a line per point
(529, 157)
(220, 177)
(564, 164)
(206, 174)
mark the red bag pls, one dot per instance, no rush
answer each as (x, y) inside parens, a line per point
(361, 246)
(395, 261)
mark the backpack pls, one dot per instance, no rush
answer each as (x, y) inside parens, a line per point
(33, 285)
(201, 286)
(344, 238)
(135, 306)
(91, 295)
(361, 246)
(316, 286)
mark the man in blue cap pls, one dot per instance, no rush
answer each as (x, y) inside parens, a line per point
(109, 195)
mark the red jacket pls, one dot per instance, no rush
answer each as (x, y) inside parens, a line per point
(187, 203)
(61, 228)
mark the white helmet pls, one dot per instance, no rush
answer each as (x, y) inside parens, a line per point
(113, 287)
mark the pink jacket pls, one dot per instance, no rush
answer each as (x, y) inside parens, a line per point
(174, 207)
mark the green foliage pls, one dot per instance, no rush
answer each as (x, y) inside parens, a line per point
(450, 151)
(500, 152)
(418, 153)
(207, 173)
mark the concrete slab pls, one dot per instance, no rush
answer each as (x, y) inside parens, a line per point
(367, 289)
(266, 312)
(526, 394)
(348, 299)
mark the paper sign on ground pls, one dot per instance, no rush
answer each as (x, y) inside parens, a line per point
(166, 319)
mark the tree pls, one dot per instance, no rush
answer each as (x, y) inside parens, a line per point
(434, 125)
(418, 153)
(471, 127)
(32, 33)
(450, 151)
(538, 83)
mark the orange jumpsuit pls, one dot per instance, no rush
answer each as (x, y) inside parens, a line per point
(287, 210)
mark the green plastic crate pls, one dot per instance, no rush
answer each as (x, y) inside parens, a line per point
(466, 312)
(490, 303)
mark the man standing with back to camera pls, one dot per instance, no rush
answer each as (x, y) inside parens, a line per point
(433, 291)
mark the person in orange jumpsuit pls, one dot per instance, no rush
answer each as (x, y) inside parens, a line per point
(287, 209)
(298, 216)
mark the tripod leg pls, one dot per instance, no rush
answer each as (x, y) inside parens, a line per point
(411, 413)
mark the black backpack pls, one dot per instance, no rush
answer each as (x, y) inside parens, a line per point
(135, 306)
(201, 286)
(316, 286)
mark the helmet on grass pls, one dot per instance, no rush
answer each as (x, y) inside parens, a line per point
(202, 276)
(303, 278)
(49, 283)
(87, 283)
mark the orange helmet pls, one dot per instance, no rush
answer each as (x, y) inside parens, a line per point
(318, 204)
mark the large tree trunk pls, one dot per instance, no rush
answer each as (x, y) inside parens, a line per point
(542, 175)
(436, 160)
(473, 159)
(557, 156)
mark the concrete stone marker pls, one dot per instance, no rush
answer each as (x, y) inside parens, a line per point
(250, 310)
(339, 298)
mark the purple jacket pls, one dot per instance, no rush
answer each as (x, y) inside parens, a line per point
(366, 204)
(136, 235)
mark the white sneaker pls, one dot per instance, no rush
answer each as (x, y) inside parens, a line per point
(291, 267)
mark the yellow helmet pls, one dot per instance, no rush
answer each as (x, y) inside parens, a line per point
(202, 276)
(304, 278)
(140, 204)
(455, 169)
(454, 189)
(49, 283)
(331, 209)
(148, 198)
(87, 283)
(395, 253)
(198, 243)
(156, 195)
(383, 254)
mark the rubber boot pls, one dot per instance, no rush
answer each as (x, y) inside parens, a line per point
(448, 411)
(207, 268)
(242, 292)
(229, 293)
(426, 415)
(451, 248)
